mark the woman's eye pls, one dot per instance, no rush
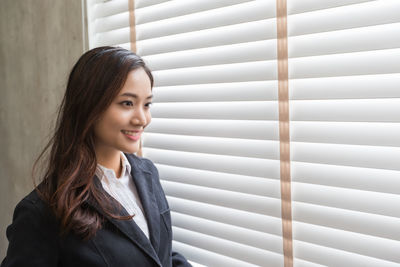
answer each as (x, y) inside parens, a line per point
(127, 103)
(148, 105)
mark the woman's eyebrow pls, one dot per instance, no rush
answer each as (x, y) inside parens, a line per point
(135, 96)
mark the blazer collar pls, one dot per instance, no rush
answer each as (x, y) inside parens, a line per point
(142, 177)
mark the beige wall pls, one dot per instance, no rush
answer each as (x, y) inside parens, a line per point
(39, 42)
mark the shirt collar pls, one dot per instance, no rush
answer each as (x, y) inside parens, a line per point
(126, 166)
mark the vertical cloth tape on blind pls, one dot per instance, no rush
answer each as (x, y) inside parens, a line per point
(284, 133)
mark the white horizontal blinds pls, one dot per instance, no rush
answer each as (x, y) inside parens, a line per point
(344, 70)
(208, 28)
(108, 23)
(214, 132)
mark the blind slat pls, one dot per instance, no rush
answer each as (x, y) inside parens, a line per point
(247, 129)
(236, 234)
(108, 22)
(346, 110)
(214, 145)
(238, 183)
(110, 8)
(361, 63)
(347, 155)
(237, 33)
(351, 133)
(113, 37)
(229, 164)
(228, 248)
(294, 7)
(114, 22)
(346, 87)
(348, 220)
(251, 110)
(344, 17)
(249, 220)
(219, 17)
(375, 180)
(384, 249)
(146, 3)
(240, 91)
(386, 36)
(176, 8)
(343, 198)
(225, 54)
(336, 257)
(247, 202)
(240, 72)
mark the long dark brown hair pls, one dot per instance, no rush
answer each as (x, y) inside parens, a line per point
(69, 157)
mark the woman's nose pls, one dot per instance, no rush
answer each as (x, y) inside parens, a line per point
(139, 117)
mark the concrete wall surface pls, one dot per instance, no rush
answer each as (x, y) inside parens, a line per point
(40, 40)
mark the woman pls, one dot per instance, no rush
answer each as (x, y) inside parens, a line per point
(98, 203)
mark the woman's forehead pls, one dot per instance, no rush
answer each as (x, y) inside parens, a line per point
(137, 84)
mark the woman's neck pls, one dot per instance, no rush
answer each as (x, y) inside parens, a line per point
(111, 160)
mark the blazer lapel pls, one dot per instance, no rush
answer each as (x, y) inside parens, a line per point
(142, 178)
(127, 227)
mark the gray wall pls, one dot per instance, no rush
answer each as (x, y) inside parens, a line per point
(39, 42)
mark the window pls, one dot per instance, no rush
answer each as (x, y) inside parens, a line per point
(215, 130)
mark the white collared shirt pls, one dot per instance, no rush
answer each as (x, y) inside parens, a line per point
(123, 189)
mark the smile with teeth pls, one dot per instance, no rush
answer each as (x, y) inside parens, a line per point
(132, 135)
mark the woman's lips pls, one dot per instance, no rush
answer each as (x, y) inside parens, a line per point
(133, 135)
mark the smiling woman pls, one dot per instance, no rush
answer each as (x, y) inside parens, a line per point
(121, 125)
(98, 204)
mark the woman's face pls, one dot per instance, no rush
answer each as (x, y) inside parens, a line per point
(121, 125)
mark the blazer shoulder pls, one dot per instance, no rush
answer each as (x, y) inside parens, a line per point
(32, 231)
(33, 197)
(144, 164)
(35, 206)
(149, 165)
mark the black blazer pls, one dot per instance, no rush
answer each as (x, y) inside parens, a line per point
(34, 238)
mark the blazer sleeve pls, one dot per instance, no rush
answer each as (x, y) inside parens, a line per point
(32, 240)
(179, 261)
